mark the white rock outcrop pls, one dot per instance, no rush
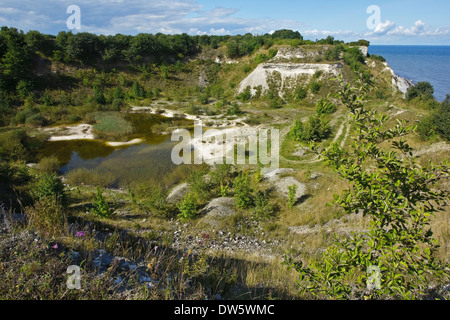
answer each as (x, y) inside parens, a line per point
(286, 74)
(398, 82)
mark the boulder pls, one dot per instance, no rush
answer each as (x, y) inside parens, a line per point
(216, 209)
(178, 193)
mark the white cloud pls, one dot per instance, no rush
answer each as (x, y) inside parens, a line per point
(419, 29)
(384, 27)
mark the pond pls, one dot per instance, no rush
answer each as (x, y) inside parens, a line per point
(144, 162)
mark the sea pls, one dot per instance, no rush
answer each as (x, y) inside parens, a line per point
(419, 63)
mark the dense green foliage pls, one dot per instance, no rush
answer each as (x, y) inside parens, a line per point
(315, 129)
(398, 195)
(422, 90)
(436, 123)
(100, 206)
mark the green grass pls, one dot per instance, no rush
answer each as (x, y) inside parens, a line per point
(112, 125)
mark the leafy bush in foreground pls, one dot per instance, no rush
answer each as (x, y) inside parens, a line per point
(397, 257)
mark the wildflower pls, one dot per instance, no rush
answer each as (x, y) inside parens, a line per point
(80, 234)
(55, 246)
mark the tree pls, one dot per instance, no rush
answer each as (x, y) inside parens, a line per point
(287, 34)
(390, 187)
(422, 90)
(315, 129)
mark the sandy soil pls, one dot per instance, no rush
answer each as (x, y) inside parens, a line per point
(78, 132)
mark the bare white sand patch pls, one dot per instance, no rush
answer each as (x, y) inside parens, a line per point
(120, 144)
(78, 132)
(212, 121)
(166, 113)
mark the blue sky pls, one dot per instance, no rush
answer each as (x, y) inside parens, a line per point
(401, 21)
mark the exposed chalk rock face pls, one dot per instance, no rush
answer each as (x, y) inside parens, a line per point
(364, 50)
(285, 76)
(299, 53)
(398, 82)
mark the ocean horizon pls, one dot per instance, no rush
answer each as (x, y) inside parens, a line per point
(418, 63)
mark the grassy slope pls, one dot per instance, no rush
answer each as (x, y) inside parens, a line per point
(248, 275)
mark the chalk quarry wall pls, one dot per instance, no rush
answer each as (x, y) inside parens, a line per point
(282, 74)
(285, 75)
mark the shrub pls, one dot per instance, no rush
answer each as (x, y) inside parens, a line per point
(243, 191)
(400, 198)
(188, 207)
(246, 95)
(47, 216)
(315, 87)
(36, 120)
(442, 119)
(378, 58)
(423, 90)
(325, 106)
(262, 209)
(221, 174)
(315, 129)
(13, 145)
(49, 164)
(49, 185)
(427, 128)
(198, 184)
(300, 93)
(234, 110)
(100, 206)
(292, 194)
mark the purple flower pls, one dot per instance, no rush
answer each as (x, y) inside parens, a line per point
(80, 234)
(55, 246)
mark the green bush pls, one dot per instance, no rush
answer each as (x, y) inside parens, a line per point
(101, 207)
(13, 145)
(36, 120)
(325, 106)
(243, 191)
(234, 110)
(423, 90)
(442, 119)
(427, 128)
(49, 185)
(315, 129)
(400, 198)
(49, 164)
(198, 184)
(300, 93)
(188, 207)
(246, 95)
(378, 58)
(262, 209)
(292, 190)
(315, 87)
